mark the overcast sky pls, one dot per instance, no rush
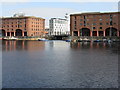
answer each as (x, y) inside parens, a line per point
(49, 10)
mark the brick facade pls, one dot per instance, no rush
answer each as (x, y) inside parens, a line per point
(95, 24)
(22, 26)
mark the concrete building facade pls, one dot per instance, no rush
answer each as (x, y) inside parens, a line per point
(95, 24)
(22, 26)
(58, 26)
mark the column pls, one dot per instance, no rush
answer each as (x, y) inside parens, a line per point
(91, 33)
(117, 33)
(14, 34)
(104, 33)
(23, 34)
(97, 33)
(6, 34)
(78, 33)
(72, 33)
(10, 34)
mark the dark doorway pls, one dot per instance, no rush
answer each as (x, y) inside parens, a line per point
(3, 32)
(8, 33)
(85, 32)
(111, 32)
(18, 32)
(94, 33)
(25, 33)
(12, 33)
(100, 33)
(75, 33)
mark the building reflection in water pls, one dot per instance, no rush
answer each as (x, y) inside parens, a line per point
(91, 45)
(52, 45)
(22, 45)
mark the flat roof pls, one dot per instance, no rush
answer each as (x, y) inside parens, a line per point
(94, 13)
(58, 18)
(20, 17)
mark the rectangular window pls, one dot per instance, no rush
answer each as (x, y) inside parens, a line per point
(75, 17)
(100, 23)
(107, 23)
(81, 20)
(81, 24)
(94, 23)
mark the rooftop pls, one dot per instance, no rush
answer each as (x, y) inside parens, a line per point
(20, 17)
(58, 18)
(95, 13)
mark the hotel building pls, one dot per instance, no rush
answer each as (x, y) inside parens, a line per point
(95, 24)
(20, 25)
(58, 26)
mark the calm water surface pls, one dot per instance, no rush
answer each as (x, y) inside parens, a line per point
(59, 64)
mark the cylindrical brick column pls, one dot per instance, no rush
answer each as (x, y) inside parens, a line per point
(78, 33)
(23, 34)
(6, 34)
(104, 33)
(118, 33)
(97, 33)
(91, 33)
(14, 33)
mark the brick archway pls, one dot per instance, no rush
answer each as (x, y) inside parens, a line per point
(111, 31)
(85, 32)
(3, 32)
(18, 32)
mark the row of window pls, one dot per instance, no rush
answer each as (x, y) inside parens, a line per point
(59, 29)
(37, 29)
(20, 22)
(60, 21)
(19, 26)
(36, 26)
(12, 22)
(37, 19)
(95, 16)
(95, 19)
(15, 26)
(96, 24)
(37, 22)
(13, 29)
(93, 28)
(37, 32)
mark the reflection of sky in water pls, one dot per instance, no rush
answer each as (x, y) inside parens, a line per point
(56, 45)
(57, 64)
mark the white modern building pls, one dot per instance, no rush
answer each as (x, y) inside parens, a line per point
(58, 26)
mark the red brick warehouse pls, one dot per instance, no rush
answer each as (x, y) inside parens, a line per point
(22, 26)
(95, 24)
